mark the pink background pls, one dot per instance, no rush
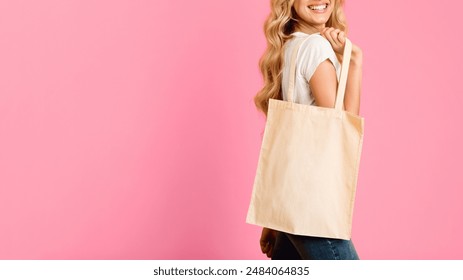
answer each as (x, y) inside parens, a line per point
(128, 131)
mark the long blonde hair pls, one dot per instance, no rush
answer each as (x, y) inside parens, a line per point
(278, 28)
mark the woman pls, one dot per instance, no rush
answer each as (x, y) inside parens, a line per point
(318, 62)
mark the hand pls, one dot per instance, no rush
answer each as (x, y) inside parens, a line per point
(336, 37)
(267, 241)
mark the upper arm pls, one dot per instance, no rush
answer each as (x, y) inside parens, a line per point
(323, 84)
(318, 67)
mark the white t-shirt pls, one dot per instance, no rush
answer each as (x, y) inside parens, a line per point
(312, 52)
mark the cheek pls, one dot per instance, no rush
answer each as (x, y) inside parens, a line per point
(299, 9)
(301, 5)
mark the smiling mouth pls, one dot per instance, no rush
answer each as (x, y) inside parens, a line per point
(319, 7)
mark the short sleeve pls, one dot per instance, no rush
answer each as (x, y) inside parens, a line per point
(313, 52)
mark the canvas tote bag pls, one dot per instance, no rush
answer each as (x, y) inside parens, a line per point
(306, 176)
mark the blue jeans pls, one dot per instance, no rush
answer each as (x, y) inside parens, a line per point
(298, 247)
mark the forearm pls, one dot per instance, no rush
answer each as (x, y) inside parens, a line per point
(354, 82)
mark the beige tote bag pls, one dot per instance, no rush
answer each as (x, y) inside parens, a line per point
(309, 160)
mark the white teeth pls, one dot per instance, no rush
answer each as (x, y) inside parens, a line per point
(320, 7)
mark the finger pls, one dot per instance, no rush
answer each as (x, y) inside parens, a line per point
(328, 34)
(324, 30)
(342, 37)
(329, 29)
(334, 35)
(269, 253)
(342, 41)
(264, 248)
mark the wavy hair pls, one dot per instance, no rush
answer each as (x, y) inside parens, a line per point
(279, 25)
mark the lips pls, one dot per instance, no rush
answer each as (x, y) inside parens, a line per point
(318, 6)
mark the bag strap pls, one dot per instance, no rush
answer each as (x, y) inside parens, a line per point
(344, 71)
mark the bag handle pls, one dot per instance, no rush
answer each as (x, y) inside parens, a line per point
(344, 71)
